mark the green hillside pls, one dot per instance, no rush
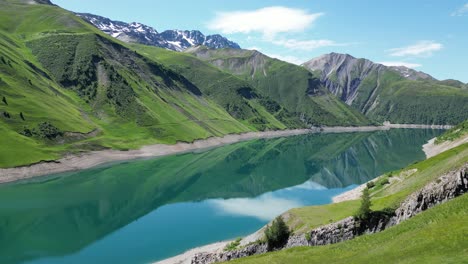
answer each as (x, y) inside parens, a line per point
(291, 85)
(58, 69)
(437, 235)
(395, 94)
(66, 87)
(406, 101)
(224, 88)
(454, 133)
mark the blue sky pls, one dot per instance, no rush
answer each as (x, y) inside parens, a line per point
(430, 36)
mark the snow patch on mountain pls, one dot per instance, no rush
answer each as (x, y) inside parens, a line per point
(177, 40)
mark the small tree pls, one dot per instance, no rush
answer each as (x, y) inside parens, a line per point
(21, 115)
(277, 234)
(4, 100)
(364, 210)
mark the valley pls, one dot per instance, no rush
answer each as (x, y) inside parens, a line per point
(237, 131)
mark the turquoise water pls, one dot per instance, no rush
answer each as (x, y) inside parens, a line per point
(147, 210)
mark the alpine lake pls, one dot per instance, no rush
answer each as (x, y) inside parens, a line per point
(143, 211)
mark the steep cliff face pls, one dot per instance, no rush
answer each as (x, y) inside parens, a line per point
(390, 92)
(342, 73)
(448, 186)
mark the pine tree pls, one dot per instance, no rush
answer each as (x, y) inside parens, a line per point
(277, 234)
(364, 210)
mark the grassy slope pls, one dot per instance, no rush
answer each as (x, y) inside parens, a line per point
(291, 85)
(423, 102)
(405, 101)
(454, 133)
(222, 87)
(131, 99)
(434, 236)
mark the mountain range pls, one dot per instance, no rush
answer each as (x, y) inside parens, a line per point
(177, 40)
(381, 93)
(66, 87)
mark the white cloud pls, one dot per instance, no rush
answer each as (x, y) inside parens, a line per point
(269, 21)
(290, 59)
(461, 11)
(306, 44)
(422, 48)
(400, 63)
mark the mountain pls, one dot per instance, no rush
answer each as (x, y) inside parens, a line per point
(397, 94)
(177, 40)
(292, 86)
(66, 87)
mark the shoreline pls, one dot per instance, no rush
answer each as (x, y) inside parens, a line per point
(431, 149)
(91, 159)
(353, 194)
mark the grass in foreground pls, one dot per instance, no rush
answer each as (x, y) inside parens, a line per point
(438, 235)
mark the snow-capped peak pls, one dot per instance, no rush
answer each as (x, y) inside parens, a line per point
(177, 40)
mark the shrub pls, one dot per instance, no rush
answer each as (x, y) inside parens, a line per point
(370, 185)
(233, 245)
(364, 210)
(27, 132)
(384, 181)
(47, 130)
(277, 234)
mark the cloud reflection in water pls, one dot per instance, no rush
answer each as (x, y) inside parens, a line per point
(266, 206)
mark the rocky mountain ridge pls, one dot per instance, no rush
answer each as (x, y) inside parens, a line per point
(389, 92)
(342, 74)
(177, 40)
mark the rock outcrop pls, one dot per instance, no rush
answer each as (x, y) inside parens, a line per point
(443, 189)
(343, 74)
(446, 187)
(249, 250)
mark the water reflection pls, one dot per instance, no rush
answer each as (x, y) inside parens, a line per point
(225, 192)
